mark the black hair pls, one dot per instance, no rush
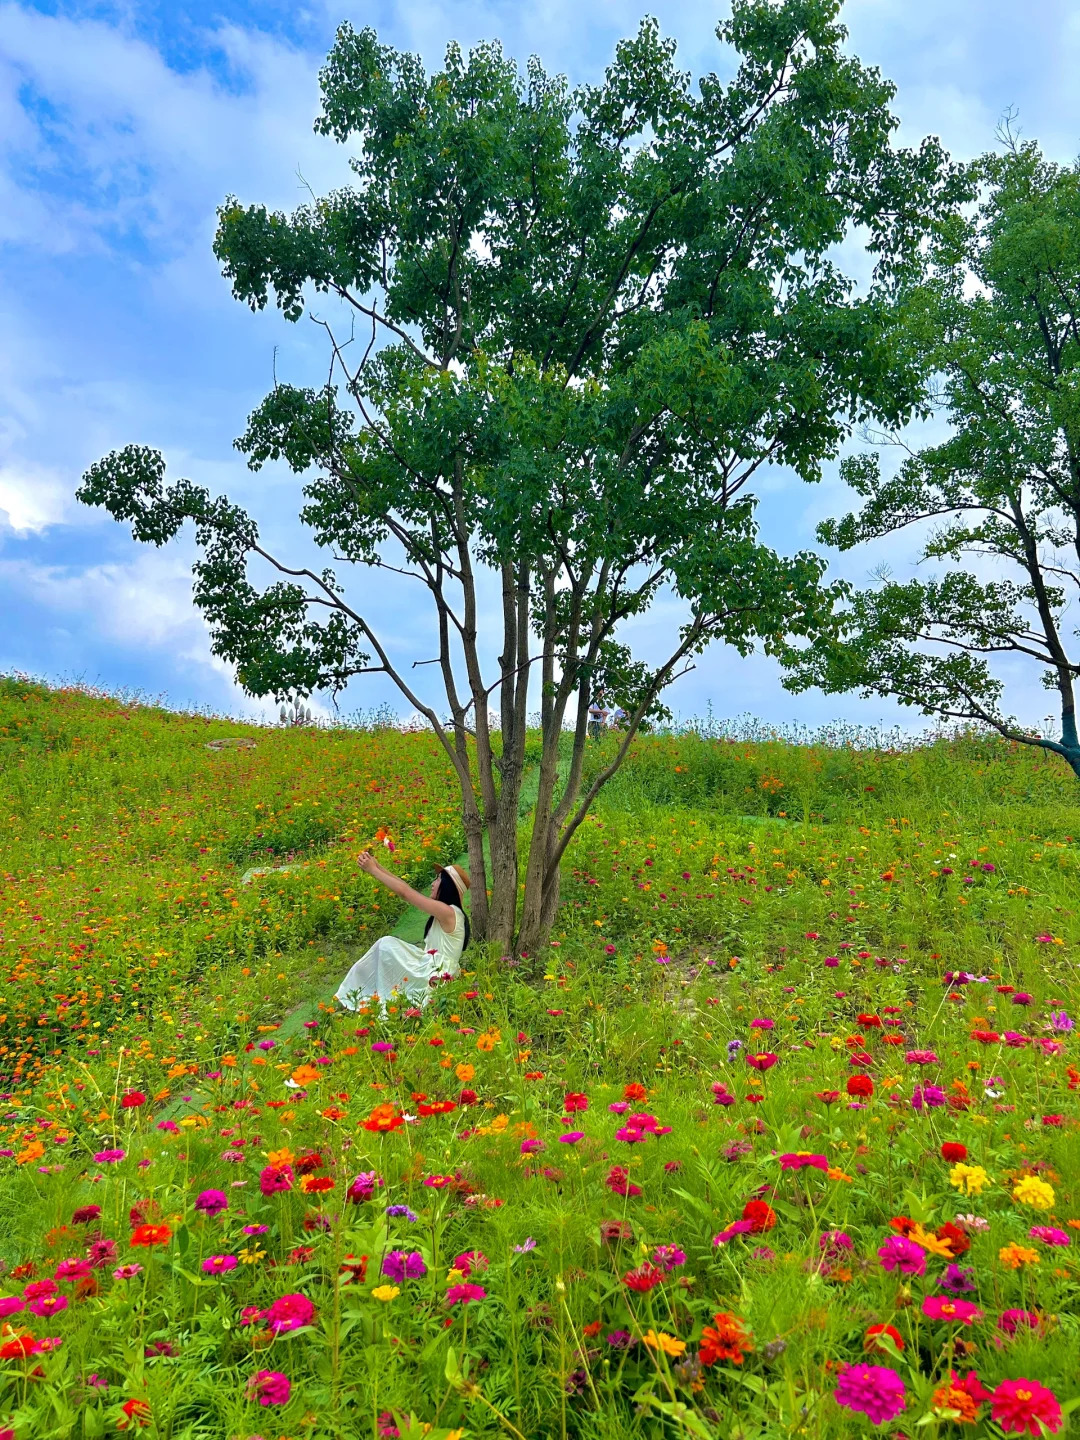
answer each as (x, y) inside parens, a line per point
(449, 894)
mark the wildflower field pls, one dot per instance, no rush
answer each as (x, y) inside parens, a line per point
(779, 1138)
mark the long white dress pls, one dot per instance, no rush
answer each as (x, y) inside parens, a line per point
(394, 966)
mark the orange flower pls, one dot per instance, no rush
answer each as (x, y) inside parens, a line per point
(384, 1118)
(33, 1151)
(465, 1072)
(305, 1074)
(725, 1339)
(280, 1157)
(150, 1235)
(488, 1040)
(136, 1412)
(1017, 1256)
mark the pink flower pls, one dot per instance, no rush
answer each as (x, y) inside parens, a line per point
(1024, 1407)
(48, 1305)
(269, 1387)
(464, 1294)
(900, 1253)
(571, 1137)
(958, 1312)
(127, 1272)
(871, 1390)
(289, 1312)
(101, 1252)
(109, 1157)
(364, 1186)
(10, 1305)
(273, 1179)
(531, 1146)
(1009, 1321)
(219, 1264)
(802, 1160)
(1049, 1235)
(72, 1269)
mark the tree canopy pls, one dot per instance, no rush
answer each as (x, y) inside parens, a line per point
(577, 322)
(998, 319)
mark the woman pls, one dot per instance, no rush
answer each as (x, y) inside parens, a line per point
(393, 965)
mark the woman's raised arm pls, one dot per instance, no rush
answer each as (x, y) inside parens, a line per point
(442, 912)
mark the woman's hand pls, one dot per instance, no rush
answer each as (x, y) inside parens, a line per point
(369, 865)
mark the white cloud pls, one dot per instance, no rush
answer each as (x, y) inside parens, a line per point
(33, 498)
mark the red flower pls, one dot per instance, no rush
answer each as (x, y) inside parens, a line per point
(869, 1022)
(136, 1411)
(952, 1150)
(1024, 1407)
(131, 1100)
(309, 1162)
(634, 1091)
(958, 1242)
(150, 1235)
(643, 1279)
(860, 1085)
(316, 1184)
(762, 1217)
(574, 1101)
(872, 1338)
(467, 1097)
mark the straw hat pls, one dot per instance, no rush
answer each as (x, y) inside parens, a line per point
(459, 875)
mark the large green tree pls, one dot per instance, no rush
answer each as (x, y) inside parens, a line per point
(999, 322)
(581, 320)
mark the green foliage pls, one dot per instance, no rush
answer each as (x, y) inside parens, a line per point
(688, 914)
(998, 321)
(594, 314)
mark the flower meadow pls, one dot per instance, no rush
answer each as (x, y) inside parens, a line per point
(778, 1138)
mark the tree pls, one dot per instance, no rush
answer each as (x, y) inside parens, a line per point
(585, 320)
(998, 321)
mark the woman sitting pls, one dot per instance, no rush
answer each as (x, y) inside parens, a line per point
(394, 966)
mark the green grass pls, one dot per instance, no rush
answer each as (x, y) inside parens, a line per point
(719, 882)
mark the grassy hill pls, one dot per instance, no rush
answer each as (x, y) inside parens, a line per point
(674, 1189)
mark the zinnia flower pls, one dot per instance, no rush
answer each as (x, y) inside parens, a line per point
(970, 1179)
(269, 1387)
(219, 1264)
(289, 1312)
(725, 1339)
(957, 1312)
(212, 1202)
(1024, 1407)
(871, 1390)
(900, 1253)
(399, 1266)
(465, 1294)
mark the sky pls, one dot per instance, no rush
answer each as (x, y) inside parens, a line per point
(123, 127)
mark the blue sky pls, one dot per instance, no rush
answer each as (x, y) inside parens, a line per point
(123, 126)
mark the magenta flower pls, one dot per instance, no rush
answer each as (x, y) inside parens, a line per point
(667, 1257)
(571, 1137)
(1049, 1235)
(109, 1157)
(10, 1305)
(803, 1160)
(531, 1146)
(127, 1272)
(364, 1186)
(464, 1294)
(957, 1312)
(871, 1390)
(900, 1253)
(77, 1268)
(47, 1305)
(219, 1264)
(921, 1057)
(274, 1179)
(1009, 1321)
(212, 1202)
(398, 1266)
(289, 1312)
(269, 1387)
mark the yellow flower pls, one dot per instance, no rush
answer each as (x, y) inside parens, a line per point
(252, 1256)
(930, 1243)
(1030, 1190)
(659, 1340)
(1014, 1256)
(385, 1292)
(970, 1179)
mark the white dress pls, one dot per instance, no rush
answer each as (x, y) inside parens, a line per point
(394, 966)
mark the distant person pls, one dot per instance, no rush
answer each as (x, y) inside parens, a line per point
(396, 966)
(597, 719)
(619, 719)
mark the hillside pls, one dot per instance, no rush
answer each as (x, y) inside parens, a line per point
(801, 1066)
